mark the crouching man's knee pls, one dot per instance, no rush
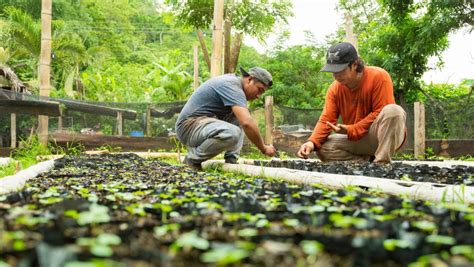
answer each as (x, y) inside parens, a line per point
(393, 111)
(231, 136)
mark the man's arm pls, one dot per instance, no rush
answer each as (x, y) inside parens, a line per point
(322, 129)
(330, 114)
(251, 130)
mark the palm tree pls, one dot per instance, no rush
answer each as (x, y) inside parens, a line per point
(24, 33)
(7, 72)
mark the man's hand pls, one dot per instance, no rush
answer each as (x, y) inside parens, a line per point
(338, 128)
(269, 150)
(306, 149)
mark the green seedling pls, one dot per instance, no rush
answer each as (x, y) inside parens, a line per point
(96, 214)
(342, 221)
(426, 226)
(464, 250)
(164, 229)
(225, 255)
(441, 239)
(100, 246)
(188, 241)
(392, 244)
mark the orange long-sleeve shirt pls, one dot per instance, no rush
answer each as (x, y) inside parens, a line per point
(358, 108)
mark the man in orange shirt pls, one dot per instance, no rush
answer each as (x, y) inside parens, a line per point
(372, 124)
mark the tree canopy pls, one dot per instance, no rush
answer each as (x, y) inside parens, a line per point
(133, 51)
(401, 36)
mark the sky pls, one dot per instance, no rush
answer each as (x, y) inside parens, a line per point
(321, 18)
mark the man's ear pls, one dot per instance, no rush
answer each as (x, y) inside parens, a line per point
(354, 66)
(250, 79)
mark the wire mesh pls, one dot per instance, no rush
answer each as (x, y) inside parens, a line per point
(450, 119)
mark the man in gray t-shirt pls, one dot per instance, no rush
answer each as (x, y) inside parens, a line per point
(216, 116)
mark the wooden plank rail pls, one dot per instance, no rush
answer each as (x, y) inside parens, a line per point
(32, 107)
(127, 143)
(98, 109)
(75, 106)
(168, 113)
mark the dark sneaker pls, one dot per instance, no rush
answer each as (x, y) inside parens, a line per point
(231, 160)
(193, 165)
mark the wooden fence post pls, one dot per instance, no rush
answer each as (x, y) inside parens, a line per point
(13, 130)
(60, 124)
(269, 120)
(216, 59)
(119, 123)
(148, 122)
(419, 125)
(44, 70)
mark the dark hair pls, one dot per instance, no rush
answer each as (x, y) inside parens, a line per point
(360, 64)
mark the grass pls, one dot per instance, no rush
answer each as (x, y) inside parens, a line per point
(26, 154)
(8, 169)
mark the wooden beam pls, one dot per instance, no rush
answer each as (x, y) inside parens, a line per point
(60, 124)
(166, 113)
(97, 109)
(419, 127)
(71, 105)
(126, 143)
(268, 119)
(119, 123)
(32, 107)
(148, 122)
(13, 130)
(216, 61)
(455, 147)
(44, 73)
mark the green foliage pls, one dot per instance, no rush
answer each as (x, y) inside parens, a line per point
(256, 18)
(96, 214)
(114, 50)
(28, 150)
(100, 246)
(225, 255)
(449, 109)
(393, 35)
(298, 82)
(8, 169)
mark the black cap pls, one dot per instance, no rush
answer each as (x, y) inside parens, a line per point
(261, 74)
(339, 56)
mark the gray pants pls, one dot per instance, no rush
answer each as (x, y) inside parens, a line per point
(386, 134)
(210, 137)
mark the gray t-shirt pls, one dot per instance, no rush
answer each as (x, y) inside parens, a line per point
(213, 99)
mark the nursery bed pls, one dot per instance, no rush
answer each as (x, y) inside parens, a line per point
(123, 209)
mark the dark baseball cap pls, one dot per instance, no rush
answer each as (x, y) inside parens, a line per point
(261, 74)
(339, 56)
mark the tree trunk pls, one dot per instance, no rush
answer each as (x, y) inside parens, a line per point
(235, 52)
(45, 65)
(227, 42)
(204, 49)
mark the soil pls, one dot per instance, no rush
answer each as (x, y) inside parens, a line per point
(167, 215)
(458, 174)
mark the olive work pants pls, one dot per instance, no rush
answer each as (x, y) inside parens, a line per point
(386, 134)
(212, 136)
